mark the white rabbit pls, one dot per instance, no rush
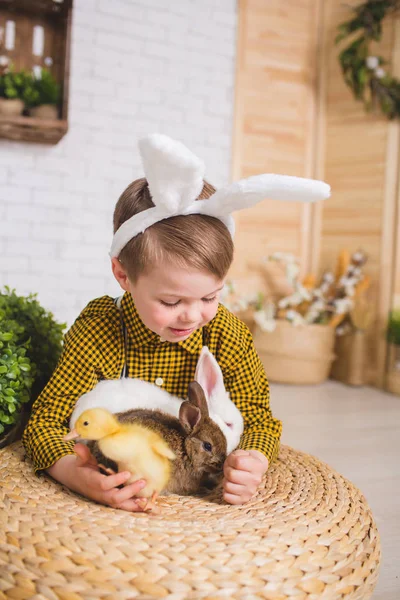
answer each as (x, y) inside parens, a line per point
(119, 395)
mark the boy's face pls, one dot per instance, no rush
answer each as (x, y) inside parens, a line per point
(174, 302)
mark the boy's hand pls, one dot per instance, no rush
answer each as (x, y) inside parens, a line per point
(81, 474)
(243, 470)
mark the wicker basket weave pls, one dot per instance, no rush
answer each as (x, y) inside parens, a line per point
(308, 534)
(296, 355)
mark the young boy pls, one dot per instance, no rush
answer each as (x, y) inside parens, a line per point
(171, 262)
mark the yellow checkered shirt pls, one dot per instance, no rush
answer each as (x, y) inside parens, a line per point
(94, 349)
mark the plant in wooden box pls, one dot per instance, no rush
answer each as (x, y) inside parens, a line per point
(295, 334)
(30, 345)
(12, 92)
(393, 338)
(42, 96)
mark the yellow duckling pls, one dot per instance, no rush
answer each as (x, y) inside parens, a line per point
(134, 448)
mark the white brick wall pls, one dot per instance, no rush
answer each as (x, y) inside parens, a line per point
(137, 67)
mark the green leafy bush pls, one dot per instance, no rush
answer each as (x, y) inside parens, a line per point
(15, 372)
(43, 90)
(393, 328)
(37, 332)
(14, 84)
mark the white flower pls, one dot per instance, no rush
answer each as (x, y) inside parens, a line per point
(283, 256)
(296, 298)
(3, 61)
(328, 277)
(37, 71)
(358, 256)
(372, 62)
(380, 72)
(295, 318)
(241, 304)
(343, 305)
(264, 320)
(292, 272)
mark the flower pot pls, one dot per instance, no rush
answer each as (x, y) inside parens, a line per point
(11, 107)
(349, 365)
(392, 383)
(44, 111)
(296, 355)
(9, 436)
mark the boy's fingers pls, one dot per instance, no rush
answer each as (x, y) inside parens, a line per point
(233, 499)
(85, 457)
(127, 492)
(240, 452)
(108, 482)
(245, 478)
(234, 488)
(243, 463)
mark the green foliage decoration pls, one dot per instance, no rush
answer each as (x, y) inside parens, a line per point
(34, 91)
(15, 372)
(363, 72)
(393, 328)
(36, 340)
(43, 90)
(13, 84)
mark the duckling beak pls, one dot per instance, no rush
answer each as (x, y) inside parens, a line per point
(72, 435)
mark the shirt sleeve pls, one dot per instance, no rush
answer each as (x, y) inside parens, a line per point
(81, 365)
(247, 383)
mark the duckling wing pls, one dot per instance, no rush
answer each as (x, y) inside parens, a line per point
(135, 452)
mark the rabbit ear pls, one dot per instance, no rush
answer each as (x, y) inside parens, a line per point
(189, 416)
(208, 374)
(197, 397)
(174, 173)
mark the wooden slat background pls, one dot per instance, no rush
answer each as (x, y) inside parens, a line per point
(274, 124)
(359, 165)
(295, 115)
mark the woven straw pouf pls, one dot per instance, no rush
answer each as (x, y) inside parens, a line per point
(308, 534)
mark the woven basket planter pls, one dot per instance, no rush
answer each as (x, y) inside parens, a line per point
(296, 355)
(308, 534)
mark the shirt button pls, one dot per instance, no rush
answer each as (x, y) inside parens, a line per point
(159, 381)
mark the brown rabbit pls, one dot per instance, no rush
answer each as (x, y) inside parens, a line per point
(196, 440)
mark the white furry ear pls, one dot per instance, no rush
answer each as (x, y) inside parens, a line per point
(208, 374)
(175, 175)
(248, 192)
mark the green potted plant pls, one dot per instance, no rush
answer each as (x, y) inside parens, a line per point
(393, 339)
(12, 89)
(15, 378)
(30, 346)
(42, 96)
(393, 328)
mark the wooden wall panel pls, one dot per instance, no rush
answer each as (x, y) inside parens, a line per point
(274, 121)
(295, 115)
(359, 214)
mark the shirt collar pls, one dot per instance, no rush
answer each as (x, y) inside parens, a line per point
(140, 334)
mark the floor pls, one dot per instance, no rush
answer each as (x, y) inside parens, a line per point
(357, 432)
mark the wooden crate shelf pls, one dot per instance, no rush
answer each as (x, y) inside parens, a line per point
(33, 130)
(55, 18)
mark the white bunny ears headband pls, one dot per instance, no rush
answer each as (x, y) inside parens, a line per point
(175, 177)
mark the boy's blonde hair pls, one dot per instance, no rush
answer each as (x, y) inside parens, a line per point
(192, 241)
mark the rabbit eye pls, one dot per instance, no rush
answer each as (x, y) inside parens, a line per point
(207, 446)
(230, 425)
(86, 423)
